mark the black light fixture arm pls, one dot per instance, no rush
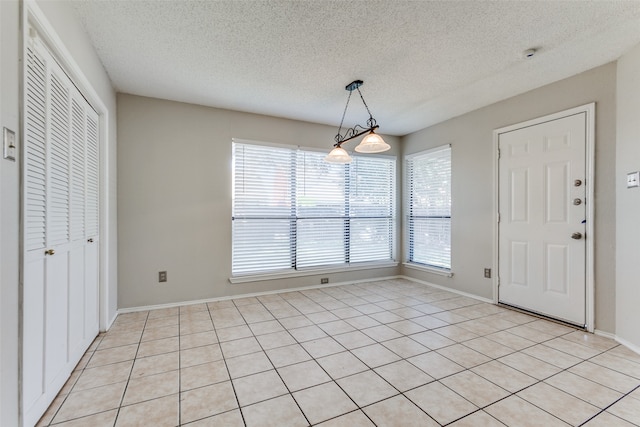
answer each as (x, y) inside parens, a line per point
(357, 130)
(354, 132)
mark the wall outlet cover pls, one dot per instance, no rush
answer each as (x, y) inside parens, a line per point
(633, 179)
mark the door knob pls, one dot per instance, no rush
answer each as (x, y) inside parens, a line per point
(49, 252)
(90, 240)
(577, 202)
(576, 236)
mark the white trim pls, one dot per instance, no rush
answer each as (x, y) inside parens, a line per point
(444, 288)
(34, 16)
(589, 111)
(110, 322)
(433, 270)
(496, 227)
(428, 151)
(633, 347)
(312, 272)
(253, 294)
(303, 148)
(605, 334)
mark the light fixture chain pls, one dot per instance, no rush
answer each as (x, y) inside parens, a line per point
(371, 119)
(344, 113)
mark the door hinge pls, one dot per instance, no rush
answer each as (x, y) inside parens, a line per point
(498, 153)
(498, 218)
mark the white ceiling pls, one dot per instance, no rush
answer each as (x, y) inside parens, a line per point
(422, 61)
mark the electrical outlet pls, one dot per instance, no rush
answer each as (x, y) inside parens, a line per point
(324, 280)
(487, 273)
(162, 276)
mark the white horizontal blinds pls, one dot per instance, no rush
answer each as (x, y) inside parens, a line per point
(263, 208)
(77, 160)
(293, 210)
(35, 152)
(58, 182)
(429, 207)
(372, 187)
(321, 209)
(92, 166)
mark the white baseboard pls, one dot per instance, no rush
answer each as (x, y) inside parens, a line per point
(444, 288)
(110, 322)
(633, 347)
(302, 288)
(254, 294)
(605, 334)
(627, 344)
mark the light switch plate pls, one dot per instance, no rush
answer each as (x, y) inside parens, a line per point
(633, 179)
(9, 144)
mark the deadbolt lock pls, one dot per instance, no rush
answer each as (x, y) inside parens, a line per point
(577, 202)
(577, 183)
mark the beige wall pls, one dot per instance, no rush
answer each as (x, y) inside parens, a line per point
(473, 157)
(628, 200)
(174, 199)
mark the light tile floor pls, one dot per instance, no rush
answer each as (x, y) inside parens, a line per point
(384, 353)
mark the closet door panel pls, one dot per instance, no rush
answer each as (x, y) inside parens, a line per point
(58, 167)
(56, 279)
(76, 301)
(92, 296)
(34, 240)
(35, 153)
(77, 191)
(33, 327)
(93, 176)
(92, 170)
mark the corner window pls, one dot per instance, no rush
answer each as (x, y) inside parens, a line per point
(428, 207)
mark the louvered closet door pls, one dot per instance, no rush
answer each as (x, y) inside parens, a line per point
(92, 230)
(60, 193)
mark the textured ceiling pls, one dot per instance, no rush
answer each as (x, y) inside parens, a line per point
(422, 61)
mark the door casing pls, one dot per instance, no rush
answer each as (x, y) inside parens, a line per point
(589, 110)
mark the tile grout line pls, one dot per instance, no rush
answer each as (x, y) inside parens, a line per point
(135, 358)
(398, 293)
(270, 361)
(224, 359)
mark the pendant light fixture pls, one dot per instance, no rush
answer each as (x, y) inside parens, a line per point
(371, 143)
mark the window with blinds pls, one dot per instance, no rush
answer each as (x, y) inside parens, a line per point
(294, 211)
(428, 199)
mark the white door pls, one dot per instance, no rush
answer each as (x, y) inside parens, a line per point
(60, 225)
(542, 191)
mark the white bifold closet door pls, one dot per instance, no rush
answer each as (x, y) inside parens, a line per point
(60, 224)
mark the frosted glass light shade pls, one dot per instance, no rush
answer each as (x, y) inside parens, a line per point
(372, 143)
(338, 155)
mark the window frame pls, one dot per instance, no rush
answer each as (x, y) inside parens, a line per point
(295, 270)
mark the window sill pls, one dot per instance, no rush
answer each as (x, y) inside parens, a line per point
(432, 270)
(310, 272)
